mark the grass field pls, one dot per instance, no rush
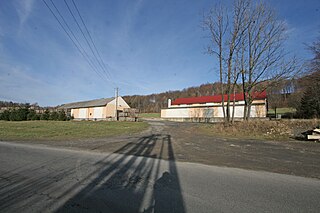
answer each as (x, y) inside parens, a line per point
(282, 110)
(150, 115)
(66, 130)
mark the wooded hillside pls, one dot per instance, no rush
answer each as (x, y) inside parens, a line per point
(155, 102)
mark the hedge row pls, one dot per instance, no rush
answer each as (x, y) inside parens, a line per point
(24, 114)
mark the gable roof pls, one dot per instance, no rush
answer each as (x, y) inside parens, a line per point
(83, 104)
(217, 98)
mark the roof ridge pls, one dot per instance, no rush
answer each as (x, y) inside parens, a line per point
(89, 103)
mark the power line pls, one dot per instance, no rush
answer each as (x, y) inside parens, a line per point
(90, 36)
(83, 50)
(80, 46)
(86, 39)
(69, 36)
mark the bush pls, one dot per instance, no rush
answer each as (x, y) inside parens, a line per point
(54, 116)
(19, 114)
(5, 115)
(24, 113)
(33, 115)
(62, 116)
(13, 115)
(45, 116)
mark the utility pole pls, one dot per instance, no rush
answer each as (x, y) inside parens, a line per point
(117, 94)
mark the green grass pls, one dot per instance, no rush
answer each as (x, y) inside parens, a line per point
(150, 115)
(282, 110)
(66, 130)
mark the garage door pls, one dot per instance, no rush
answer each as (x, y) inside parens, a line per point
(97, 112)
(83, 113)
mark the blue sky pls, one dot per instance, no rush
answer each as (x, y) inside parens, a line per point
(148, 46)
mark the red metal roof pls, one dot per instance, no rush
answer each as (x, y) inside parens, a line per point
(217, 98)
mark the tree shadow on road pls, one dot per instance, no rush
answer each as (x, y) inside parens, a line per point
(132, 183)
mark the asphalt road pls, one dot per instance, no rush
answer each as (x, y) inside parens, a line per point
(45, 179)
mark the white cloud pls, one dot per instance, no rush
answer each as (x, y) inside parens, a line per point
(24, 9)
(289, 28)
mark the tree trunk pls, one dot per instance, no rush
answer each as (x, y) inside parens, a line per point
(228, 93)
(248, 111)
(234, 103)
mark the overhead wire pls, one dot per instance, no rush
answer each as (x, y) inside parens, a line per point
(91, 46)
(101, 74)
(70, 30)
(88, 32)
(78, 46)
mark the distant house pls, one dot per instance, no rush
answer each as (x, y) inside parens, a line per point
(99, 109)
(209, 108)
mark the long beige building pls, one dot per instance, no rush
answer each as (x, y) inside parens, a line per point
(209, 108)
(99, 109)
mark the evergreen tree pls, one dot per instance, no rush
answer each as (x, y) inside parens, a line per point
(33, 115)
(310, 102)
(62, 115)
(5, 115)
(54, 116)
(45, 115)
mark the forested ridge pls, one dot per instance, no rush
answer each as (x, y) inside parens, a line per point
(155, 102)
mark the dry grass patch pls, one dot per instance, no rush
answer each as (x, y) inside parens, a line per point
(261, 129)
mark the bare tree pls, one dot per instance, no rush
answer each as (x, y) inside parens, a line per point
(216, 23)
(315, 63)
(266, 61)
(225, 39)
(252, 46)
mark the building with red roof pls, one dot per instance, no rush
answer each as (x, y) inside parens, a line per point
(208, 108)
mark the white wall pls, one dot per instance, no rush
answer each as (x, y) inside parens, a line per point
(191, 112)
(98, 112)
(175, 113)
(83, 113)
(121, 103)
(238, 113)
(208, 112)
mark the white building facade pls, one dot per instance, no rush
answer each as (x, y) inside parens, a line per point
(209, 108)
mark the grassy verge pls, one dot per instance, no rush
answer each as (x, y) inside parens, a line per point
(150, 115)
(261, 129)
(66, 130)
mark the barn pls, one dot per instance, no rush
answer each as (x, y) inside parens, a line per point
(209, 108)
(99, 109)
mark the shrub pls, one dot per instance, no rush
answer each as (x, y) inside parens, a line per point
(54, 116)
(62, 116)
(19, 114)
(24, 113)
(33, 115)
(5, 115)
(45, 115)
